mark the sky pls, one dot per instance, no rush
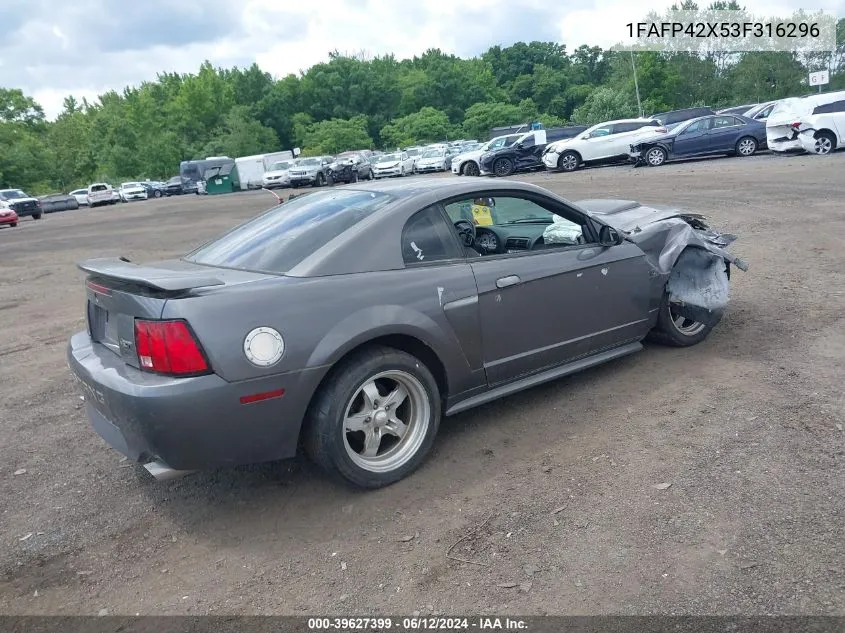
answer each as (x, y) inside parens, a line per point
(54, 48)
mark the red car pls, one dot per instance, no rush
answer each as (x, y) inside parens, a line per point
(8, 216)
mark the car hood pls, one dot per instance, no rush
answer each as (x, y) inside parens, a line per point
(277, 172)
(474, 154)
(18, 200)
(133, 189)
(386, 165)
(439, 159)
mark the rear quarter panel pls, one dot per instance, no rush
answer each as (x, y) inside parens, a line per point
(323, 318)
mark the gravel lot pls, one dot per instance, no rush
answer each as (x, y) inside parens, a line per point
(747, 428)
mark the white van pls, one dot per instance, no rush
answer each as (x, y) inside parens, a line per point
(815, 124)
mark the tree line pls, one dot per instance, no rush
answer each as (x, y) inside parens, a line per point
(355, 102)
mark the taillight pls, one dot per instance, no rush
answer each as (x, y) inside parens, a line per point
(168, 347)
(796, 125)
(662, 130)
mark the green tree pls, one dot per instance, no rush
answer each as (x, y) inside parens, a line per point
(479, 118)
(337, 135)
(427, 125)
(604, 104)
(240, 135)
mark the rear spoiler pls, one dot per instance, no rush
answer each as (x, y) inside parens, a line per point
(165, 279)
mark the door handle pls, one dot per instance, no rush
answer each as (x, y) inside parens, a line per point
(504, 282)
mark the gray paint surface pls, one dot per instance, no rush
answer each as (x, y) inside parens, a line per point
(570, 307)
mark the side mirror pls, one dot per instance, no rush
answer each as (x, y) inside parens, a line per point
(608, 236)
(518, 145)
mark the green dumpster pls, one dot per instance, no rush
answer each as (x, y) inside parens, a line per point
(223, 179)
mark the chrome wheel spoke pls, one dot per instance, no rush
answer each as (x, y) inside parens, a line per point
(396, 427)
(357, 422)
(372, 441)
(371, 395)
(396, 397)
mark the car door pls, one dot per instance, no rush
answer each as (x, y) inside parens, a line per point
(545, 304)
(723, 134)
(693, 139)
(832, 116)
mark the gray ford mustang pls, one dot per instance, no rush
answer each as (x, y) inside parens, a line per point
(351, 320)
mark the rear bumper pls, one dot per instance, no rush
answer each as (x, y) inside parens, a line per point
(189, 423)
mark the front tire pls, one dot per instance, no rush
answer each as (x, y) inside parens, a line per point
(503, 167)
(374, 421)
(569, 161)
(656, 156)
(36, 216)
(320, 180)
(156, 194)
(746, 146)
(470, 168)
(13, 224)
(371, 175)
(675, 330)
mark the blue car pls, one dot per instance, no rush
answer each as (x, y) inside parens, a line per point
(719, 134)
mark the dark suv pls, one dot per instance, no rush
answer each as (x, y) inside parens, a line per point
(526, 153)
(350, 167)
(672, 117)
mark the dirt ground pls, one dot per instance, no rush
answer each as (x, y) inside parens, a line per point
(747, 428)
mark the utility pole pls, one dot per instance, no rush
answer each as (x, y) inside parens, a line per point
(637, 86)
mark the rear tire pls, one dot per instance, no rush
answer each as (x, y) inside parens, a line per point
(354, 176)
(371, 175)
(676, 331)
(13, 224)
(156, 194)
(503, 167)
(344, 400)
(746, 146)
(825, 143)
(36, 216)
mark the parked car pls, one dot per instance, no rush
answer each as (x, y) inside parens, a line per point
(154, 188)
(280, 332)
(710, 135)
(603, 143)
(434, 159)
(350, 167)
(100, 193)
(179, 185)
(132, 191)
(21, 203)
(58, 202)
(81, 196)
(395, 164)
(740, 109)
(673, 117)
(8, 217)
(467, 163)
(526, 153)
(278, 175)
(813, 124)
(414, 153)
(311, 171)
(760, 112)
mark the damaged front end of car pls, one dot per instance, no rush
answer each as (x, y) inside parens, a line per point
(682, 249)
(694, 258)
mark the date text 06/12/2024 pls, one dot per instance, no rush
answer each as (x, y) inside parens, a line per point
(416, 624)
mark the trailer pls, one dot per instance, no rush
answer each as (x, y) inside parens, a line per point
(250, 171)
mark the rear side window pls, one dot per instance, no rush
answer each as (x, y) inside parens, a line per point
(427, 238)
(621, 128)
(828, 108)
(726, 121)
(98, 188)
(281, 238)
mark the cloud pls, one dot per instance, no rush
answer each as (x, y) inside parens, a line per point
(53, 48)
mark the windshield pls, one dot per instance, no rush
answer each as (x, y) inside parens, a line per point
(433, 153)
(98, 187)
(388, 158)
(412, 151)
(12, 194)
(276, 241)
(308, 162)
(280, 166)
